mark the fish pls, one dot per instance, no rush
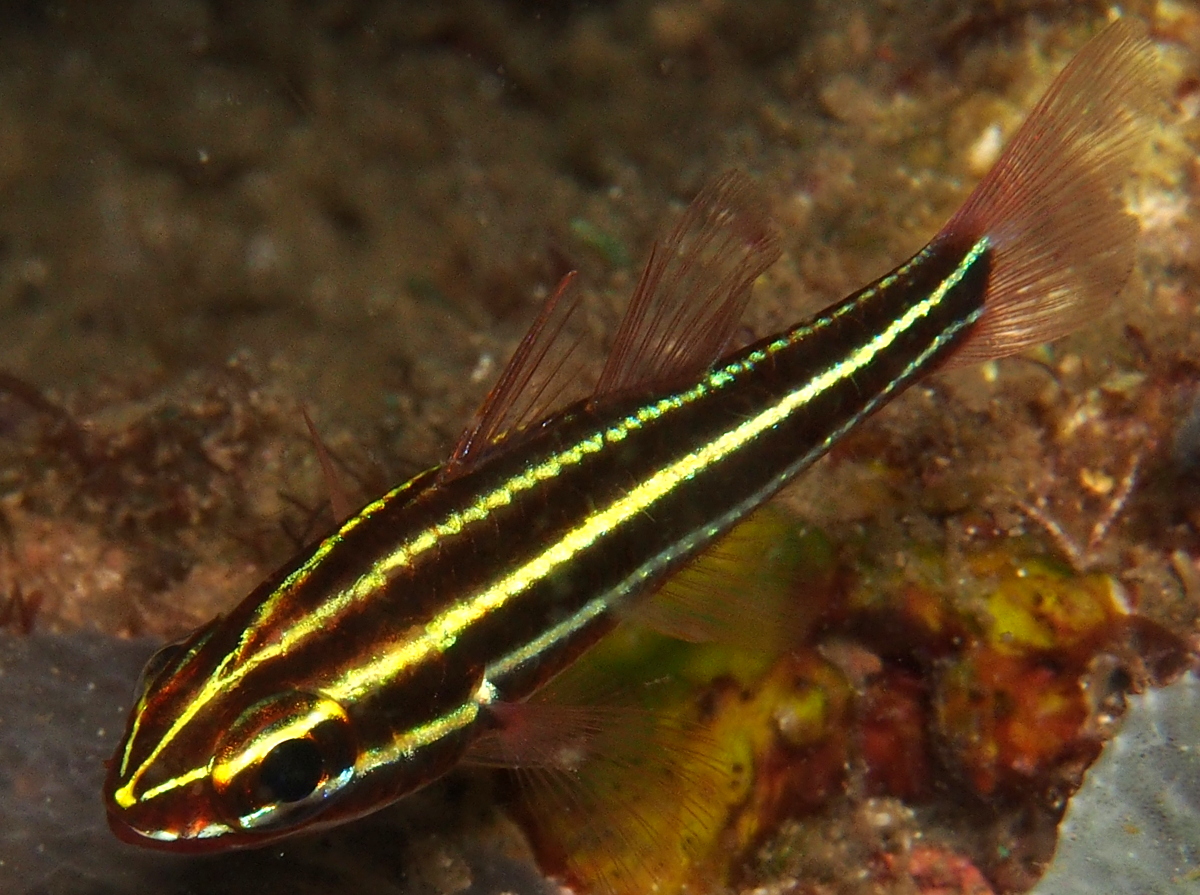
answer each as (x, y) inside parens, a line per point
(415, 637)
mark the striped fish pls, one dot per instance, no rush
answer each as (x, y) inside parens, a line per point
(408, 640)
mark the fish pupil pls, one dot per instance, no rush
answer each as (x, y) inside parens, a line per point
(291, 771)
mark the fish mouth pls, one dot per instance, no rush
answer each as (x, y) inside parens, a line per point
(161, 828)
(213, 837)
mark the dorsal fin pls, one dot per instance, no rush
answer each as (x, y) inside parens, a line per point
(536, 380)
(339, 502)
(693, 290)
(683, 313)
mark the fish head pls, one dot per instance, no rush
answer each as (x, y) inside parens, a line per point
(209, 762)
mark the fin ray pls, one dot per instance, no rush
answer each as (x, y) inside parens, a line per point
(339, 501)
(587, 774)
(536, 380)
(759, 587)
(683, 314)
(693, 289)
(1063, 244)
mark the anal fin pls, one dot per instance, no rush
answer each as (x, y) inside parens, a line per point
(761, 587)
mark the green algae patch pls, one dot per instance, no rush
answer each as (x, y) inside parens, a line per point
(1040, 605)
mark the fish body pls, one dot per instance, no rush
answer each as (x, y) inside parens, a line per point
(446, 596)
(375, 661)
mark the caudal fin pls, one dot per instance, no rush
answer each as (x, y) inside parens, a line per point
(1063, 244)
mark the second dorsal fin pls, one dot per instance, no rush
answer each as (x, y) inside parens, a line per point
(683, 313)
(693, 290)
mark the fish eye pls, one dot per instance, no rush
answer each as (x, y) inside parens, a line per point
(282, 760)
(291, 771)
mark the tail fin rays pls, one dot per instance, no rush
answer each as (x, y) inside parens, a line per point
(1063, 244)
